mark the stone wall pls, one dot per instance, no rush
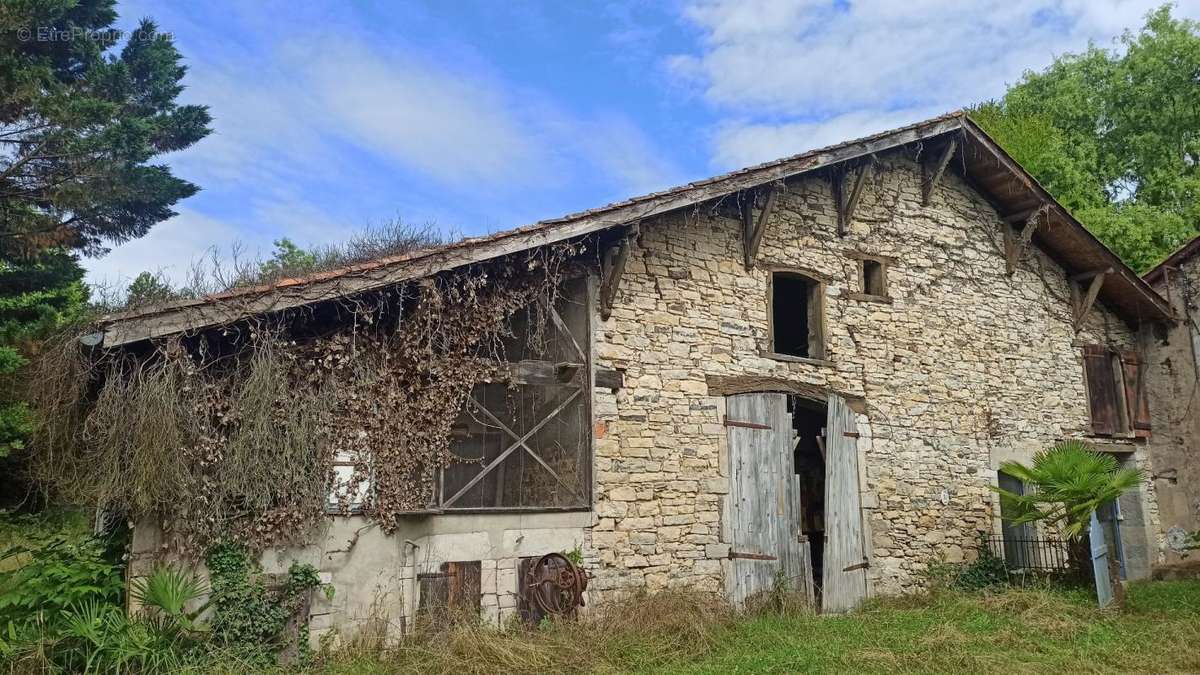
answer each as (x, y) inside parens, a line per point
(963, 368)
(1174, 389)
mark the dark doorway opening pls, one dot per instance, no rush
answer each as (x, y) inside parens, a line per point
(808, 443)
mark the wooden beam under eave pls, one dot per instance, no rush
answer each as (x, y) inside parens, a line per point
(1019, 216)
(1084, 301)
(931, 181)
(1084, 276)
(1014, 243)
(612, 269)
(846, 211)
(754, 235)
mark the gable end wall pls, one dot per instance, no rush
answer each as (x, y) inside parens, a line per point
(964, 368)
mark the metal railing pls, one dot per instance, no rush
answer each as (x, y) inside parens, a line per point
(1029, 553)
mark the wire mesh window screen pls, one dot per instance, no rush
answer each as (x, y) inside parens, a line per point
(525, 443)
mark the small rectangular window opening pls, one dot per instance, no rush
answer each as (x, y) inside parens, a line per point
(872, 278)
(796, 316)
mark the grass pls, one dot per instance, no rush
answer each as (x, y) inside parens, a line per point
(1021, 630)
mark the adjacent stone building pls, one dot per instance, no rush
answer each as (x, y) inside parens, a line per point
(1174, 388)
(811, 368)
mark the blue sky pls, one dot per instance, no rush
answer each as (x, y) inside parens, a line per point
(482, 116)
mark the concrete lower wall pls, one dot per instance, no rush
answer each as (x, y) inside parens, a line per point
(374, 575)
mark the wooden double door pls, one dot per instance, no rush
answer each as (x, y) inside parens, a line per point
(769, 547)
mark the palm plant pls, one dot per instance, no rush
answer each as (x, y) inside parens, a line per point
(1067, 484)
(99, 636)
(166, 594)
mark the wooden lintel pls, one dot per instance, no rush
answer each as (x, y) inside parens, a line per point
(754, 235)
(846, 211)
(1085, 300)
(534, 372)
(931, 181)
(1014, 243)
(612, 268)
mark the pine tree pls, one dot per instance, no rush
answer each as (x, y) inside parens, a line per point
(79, 127)
(82, 118)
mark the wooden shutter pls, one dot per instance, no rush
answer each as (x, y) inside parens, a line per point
(1135, 390)
(1102, 389)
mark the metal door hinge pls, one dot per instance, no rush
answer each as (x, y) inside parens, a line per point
(745, 425)
(751, 556)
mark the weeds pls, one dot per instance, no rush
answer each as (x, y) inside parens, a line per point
(1017, 630)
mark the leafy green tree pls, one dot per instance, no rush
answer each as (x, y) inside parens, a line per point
(287, 260)
(79, 127)
(1115, 136)
(1065, 485)
(149, 289)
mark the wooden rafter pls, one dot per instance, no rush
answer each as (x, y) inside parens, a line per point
(935, 175)
(1081, 300)
(611, 270)
(754, 230)
(846, 210)
(1015, 243)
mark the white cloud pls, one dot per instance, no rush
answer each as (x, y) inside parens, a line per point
(170, 250)
(789, 72)
(325, 127)
(747, 144)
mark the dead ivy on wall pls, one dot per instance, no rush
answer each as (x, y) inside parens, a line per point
(236, 432)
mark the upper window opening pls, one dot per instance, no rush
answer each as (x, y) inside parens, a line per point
(872, 278)
(796, 327)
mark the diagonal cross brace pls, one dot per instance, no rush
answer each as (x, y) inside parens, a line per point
(510, 449)
(528, 449)
(1014, 244)
(753, 233)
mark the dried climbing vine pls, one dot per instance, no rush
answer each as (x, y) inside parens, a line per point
(235, 432)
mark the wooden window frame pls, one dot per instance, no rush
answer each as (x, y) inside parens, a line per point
(524, 373)
(817, 335)
(885, 262)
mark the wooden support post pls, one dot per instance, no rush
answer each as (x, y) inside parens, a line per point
(931, 181)
(754, 233)
(1083, 301)
(1014, 244)
(846, 211)
(612, 269)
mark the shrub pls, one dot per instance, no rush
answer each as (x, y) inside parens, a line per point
(249, 620)
(56, 571)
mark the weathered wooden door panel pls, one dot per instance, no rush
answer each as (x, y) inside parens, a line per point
(1100, 553)
(763, 507)
(845, 575)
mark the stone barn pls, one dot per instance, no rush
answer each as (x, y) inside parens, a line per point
(804, 371)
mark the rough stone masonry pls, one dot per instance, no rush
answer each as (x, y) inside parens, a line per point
(961, 368)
